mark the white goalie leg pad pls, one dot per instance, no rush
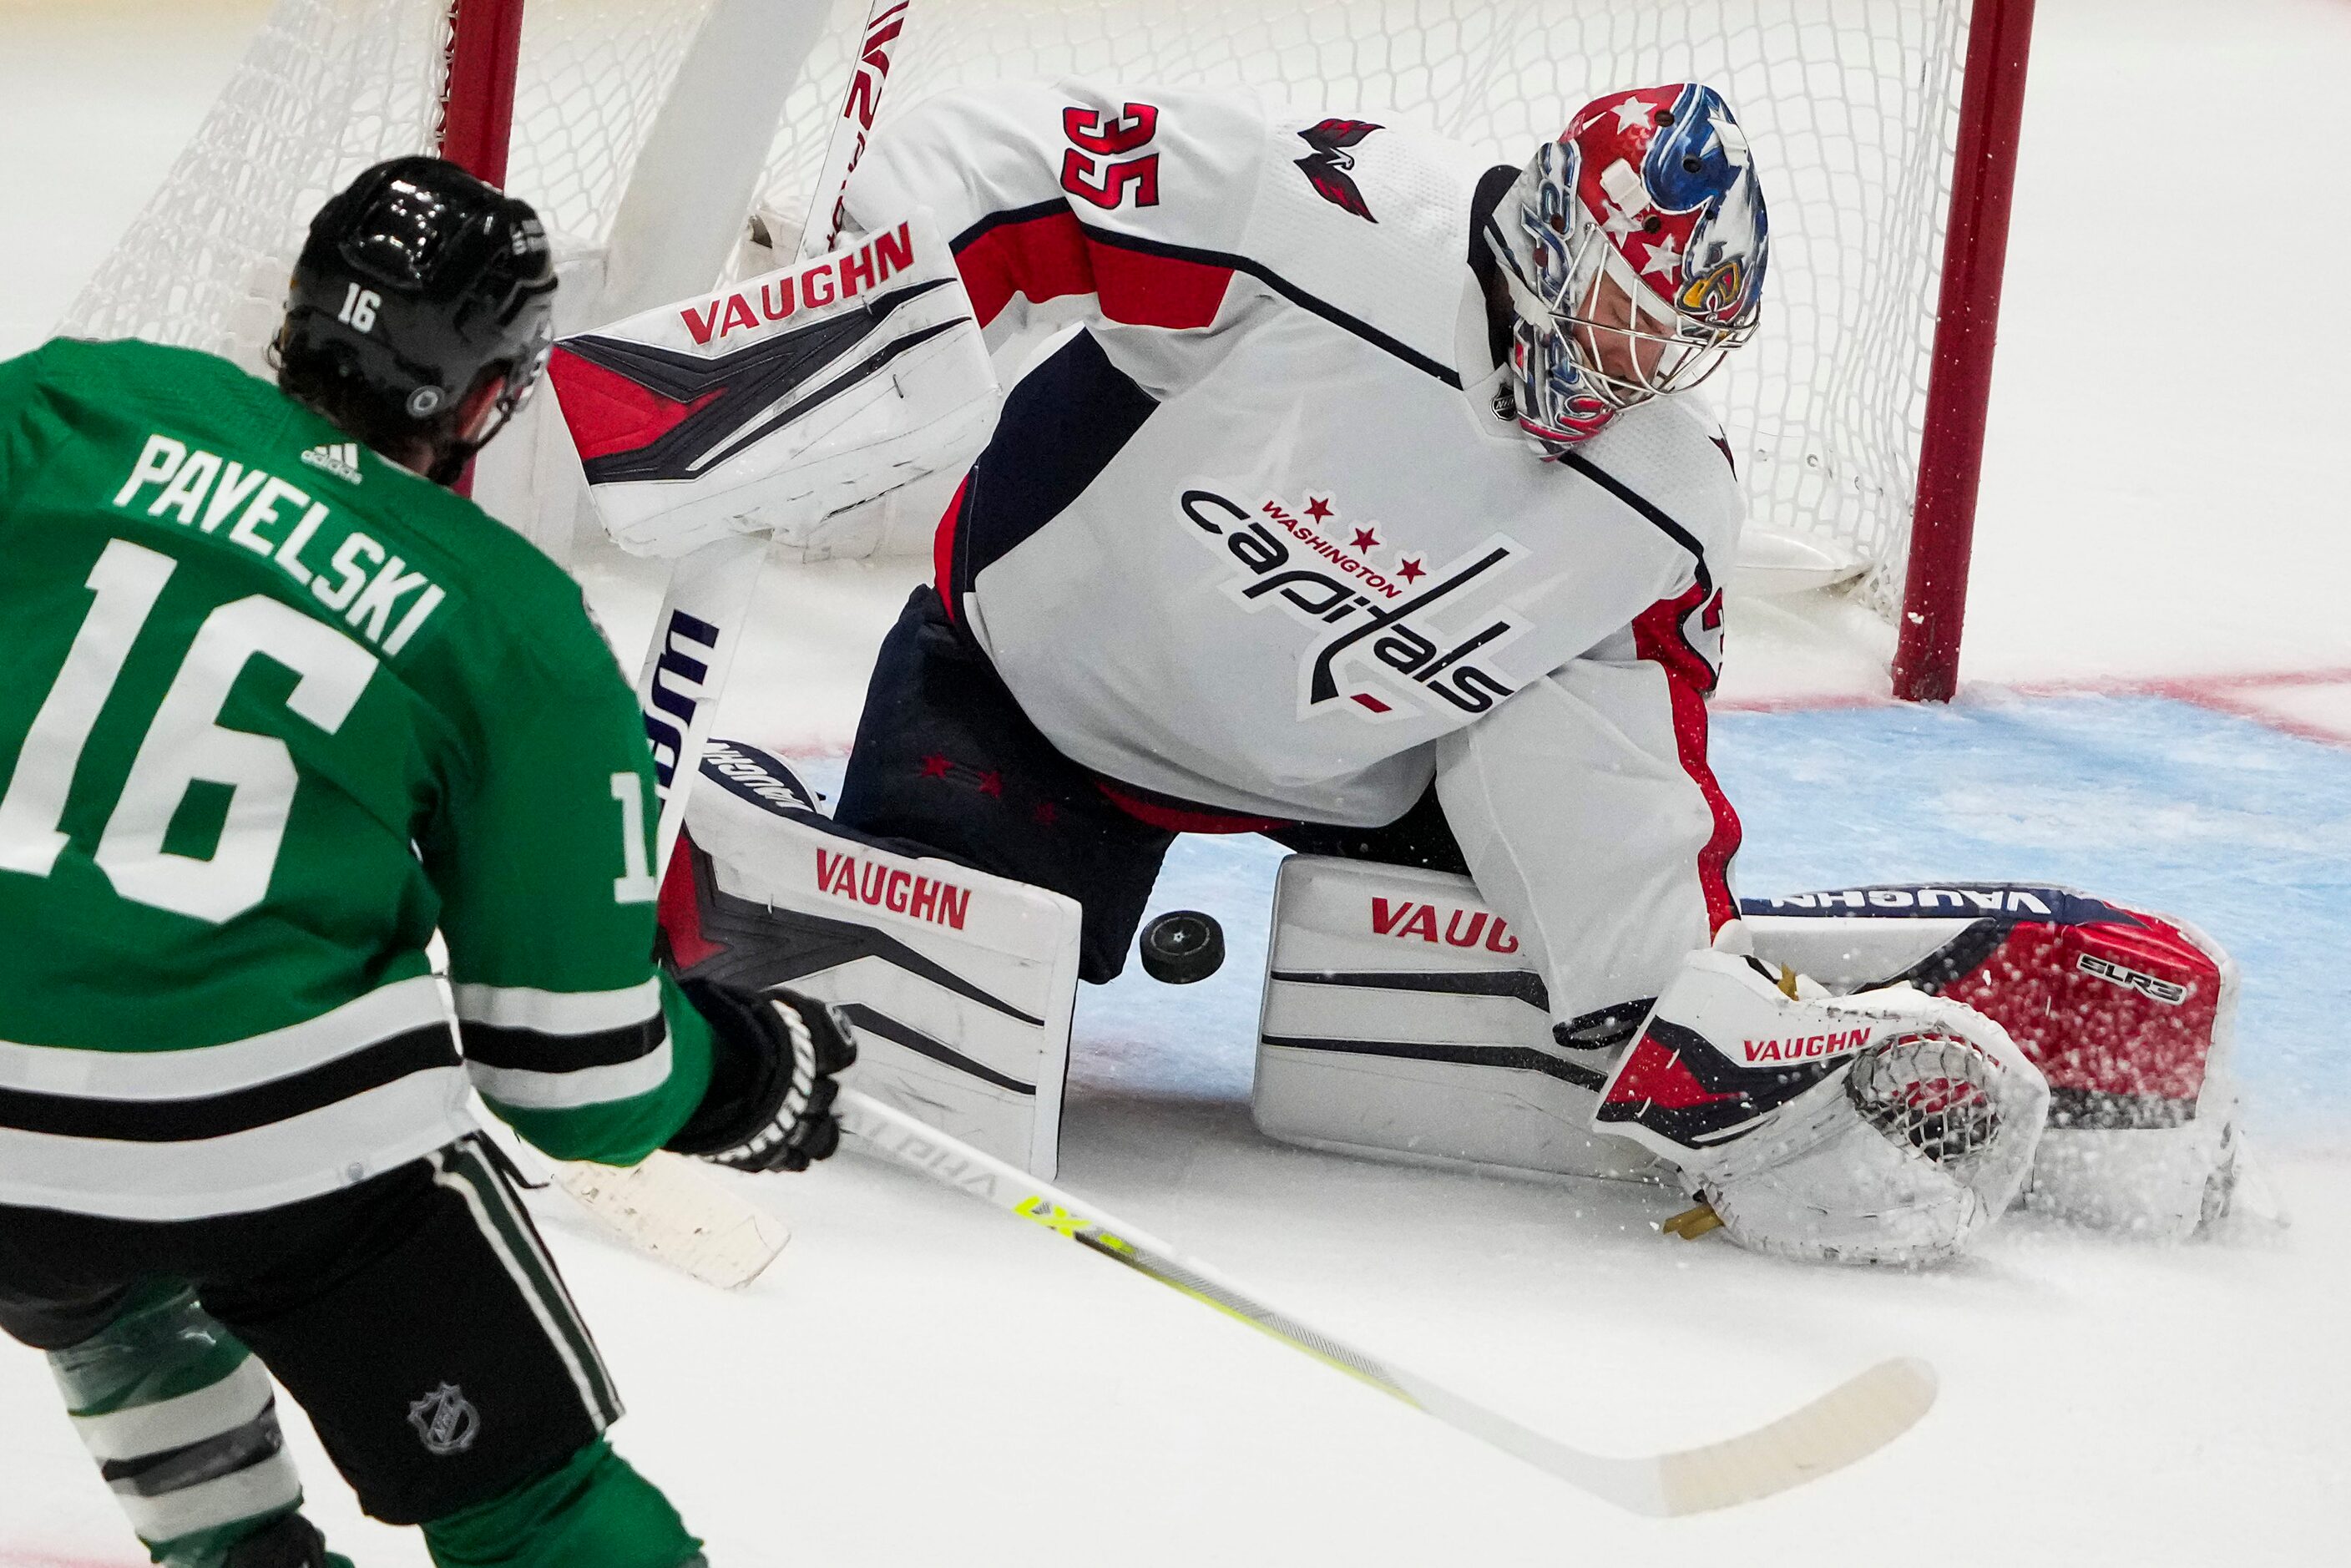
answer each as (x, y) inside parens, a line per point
(1886, 1127)
(2154, 1165)
(1401, 1021)
(958, 984)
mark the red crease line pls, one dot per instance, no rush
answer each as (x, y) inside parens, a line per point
(2226, 693)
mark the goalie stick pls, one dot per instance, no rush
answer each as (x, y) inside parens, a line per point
(1849, 1422)
(681, 1215)
(710, 589)
(883, 22)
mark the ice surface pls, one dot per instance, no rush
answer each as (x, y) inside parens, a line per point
(2146, 800)
(923, 1381)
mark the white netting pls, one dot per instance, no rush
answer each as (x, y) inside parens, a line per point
(594, 73)
(1851, 105)
(1931, 1091)
(329, 87)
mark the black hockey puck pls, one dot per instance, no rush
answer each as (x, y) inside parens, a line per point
(1183, 945)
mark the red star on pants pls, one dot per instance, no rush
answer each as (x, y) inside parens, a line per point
(1317, 507)
(936, 767)
(1046, 812)
(992, 783)
(1365, 539)
(1410, 568)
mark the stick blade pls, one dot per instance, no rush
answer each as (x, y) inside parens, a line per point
(1849, 1422)
(681, 1216)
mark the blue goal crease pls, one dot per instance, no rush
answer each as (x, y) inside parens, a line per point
(2241, 829)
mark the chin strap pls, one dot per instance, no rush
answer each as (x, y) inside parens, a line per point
(450, 466)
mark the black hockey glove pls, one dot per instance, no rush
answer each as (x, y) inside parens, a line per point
(770, 1103)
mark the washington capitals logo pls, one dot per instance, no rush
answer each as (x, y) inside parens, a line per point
(1326, 167)
(1374, 639)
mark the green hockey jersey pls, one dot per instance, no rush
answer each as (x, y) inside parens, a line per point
(276, 710)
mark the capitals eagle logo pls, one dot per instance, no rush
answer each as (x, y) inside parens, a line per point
(1326, 167)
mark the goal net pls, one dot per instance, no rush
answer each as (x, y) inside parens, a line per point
(1852, 107)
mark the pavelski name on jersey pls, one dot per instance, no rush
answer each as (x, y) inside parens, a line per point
(368, 585)
(1372, 617)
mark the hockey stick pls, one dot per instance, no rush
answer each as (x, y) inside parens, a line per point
(710, 589)
(1851, 1421)
(665, 1207)
(681, 1215)
(661, 1206)
(686, 665)
(884, 20)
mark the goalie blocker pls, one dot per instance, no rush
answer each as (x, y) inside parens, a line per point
(958, 985)
(1401, 1021)
(783, 405)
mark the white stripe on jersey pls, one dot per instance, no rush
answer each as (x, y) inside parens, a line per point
(389, 1010)
(334, 1146)
(524, 1089)
(558, 1012)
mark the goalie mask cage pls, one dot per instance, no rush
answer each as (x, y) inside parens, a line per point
(1885, 133)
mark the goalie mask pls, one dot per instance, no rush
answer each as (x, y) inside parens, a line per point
(1634, 250)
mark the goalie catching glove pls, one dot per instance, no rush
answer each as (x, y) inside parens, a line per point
(1884, 1127)
(773, 1058)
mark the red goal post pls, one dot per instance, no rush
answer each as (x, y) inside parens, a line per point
(637, 127)
(1959, 388)
(477, 103)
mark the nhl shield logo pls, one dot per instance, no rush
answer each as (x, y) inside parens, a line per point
(446, 1422)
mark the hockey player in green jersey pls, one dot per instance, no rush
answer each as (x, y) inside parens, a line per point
(279, 707)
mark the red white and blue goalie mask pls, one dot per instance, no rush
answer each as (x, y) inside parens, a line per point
(1653, 190)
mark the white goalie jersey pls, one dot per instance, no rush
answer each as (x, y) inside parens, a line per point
(1253, 542)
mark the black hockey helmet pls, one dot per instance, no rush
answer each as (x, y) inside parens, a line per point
(415, 280)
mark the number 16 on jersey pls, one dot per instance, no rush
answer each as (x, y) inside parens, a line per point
(184, 743)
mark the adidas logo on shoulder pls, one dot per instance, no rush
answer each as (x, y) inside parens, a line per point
(340, 458)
